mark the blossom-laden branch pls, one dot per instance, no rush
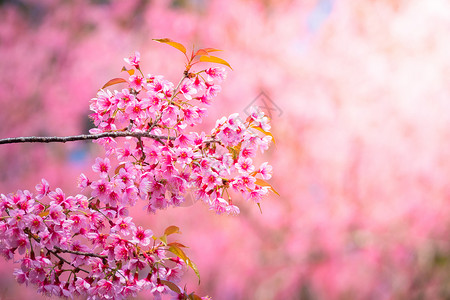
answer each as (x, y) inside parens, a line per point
(159, 165)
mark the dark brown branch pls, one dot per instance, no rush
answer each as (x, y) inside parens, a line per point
(82, 137)
(80, 253)
(65, 260)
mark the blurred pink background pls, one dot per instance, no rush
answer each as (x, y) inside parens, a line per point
(359, 96)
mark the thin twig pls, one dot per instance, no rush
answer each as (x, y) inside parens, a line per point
(66, 261)
(82, 137)
(80, 253)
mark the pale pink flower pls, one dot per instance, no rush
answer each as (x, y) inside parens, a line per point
(188, 89)
(245, 165)
(42, 188)
(134, 60)
(265, 170)
(218, 73)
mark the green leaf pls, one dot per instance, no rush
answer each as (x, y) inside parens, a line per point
(172, 43)
(114, 81)
(214, 59)
(261, 182)
(171, 230)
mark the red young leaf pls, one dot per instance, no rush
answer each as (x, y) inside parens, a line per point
(114, 81)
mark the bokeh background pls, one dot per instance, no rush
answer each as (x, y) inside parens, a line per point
(359, 96)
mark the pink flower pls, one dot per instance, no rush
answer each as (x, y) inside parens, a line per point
(141, 236)
(136, 82)
(136, 110)
(188, 89)
(36, 223)
(42, 188)
(245, 165)
(57, 196)
(124, 226)
(83, 182)
(102, 166)
(184, 156)
(134, 60)
(212, 91)
(211, 180)
(218, 74)
(101, 189)
(265, 170)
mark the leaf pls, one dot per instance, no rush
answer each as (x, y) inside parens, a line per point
(120, 166)
(163, 239)
(234, 151)
(259, 205)
(194, 297)
(172, 43)
(130, 71)
(177, 244)
(191, 264)
(261, 182)
(171, 230)
(214, 59)
(180, 253)
(44, 213)
(114, 81)
(171, 286)
(201, 52)
(205, 51)
(263, 131)
(211, 49)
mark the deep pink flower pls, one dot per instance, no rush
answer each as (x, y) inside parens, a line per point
(102, 166)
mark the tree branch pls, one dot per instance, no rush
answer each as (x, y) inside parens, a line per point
(83, 137)
(80, 253)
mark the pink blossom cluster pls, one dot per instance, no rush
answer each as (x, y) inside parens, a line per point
(88, 245)
(161, 169)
